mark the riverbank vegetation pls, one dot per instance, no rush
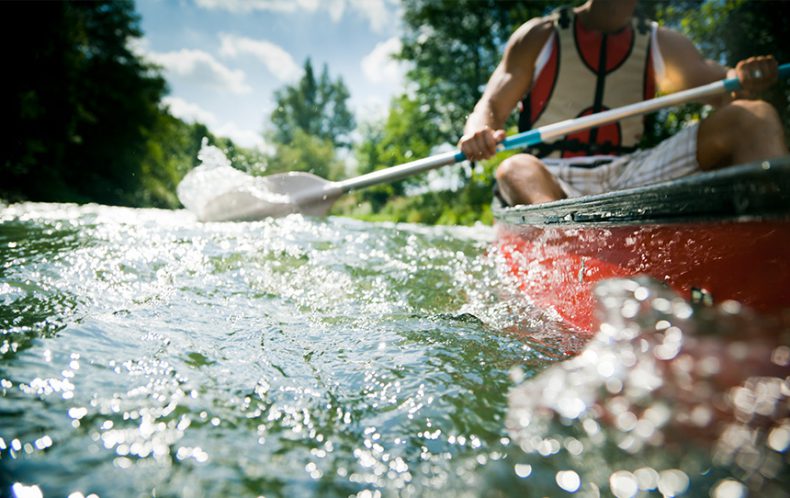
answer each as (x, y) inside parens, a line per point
(87, 123)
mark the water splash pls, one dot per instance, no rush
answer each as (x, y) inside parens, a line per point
(215, 187)
(288, 356)
(664, 399)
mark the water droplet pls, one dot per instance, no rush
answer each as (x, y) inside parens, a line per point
(779, 438)
(728, 488)
(24, 491)
(568, 480)
(623, 484)
(77, 412)
(672, 482)
(781, 356)
(523, 470)
(647, 477)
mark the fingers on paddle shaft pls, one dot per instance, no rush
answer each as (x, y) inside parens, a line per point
(481, 144)
(757, 74)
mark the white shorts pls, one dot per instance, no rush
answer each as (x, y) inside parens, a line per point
(672, 158)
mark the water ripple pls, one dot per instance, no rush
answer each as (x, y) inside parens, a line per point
(145, 353)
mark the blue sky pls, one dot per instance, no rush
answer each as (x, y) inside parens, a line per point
(223, 59)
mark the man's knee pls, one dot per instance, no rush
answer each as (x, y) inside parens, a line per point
(740, 132)
(523, 179)
(520, 168)
(750, 116)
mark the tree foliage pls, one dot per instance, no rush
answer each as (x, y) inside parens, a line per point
(310, 122)
(171, 151)
(308, 153)
(452, 47)
(405, 135)
(86, 112)
(315, 106)
(81, 104)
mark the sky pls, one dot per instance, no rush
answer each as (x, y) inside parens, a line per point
(224, 59)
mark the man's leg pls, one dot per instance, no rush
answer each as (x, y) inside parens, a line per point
(741, 132)
(523, 179)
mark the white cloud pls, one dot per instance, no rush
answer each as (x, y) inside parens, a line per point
(379, 13)
(192, 113)
(371, 110)
(188, 111)
(244, 6)
(138, 46)
(336, 9)
(275, 58)
(379, 66)
(242, 136)
(202, 68)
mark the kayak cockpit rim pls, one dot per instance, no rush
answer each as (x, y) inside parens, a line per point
(746, 192)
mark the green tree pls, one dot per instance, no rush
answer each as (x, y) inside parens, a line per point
(453, 46)
(405, 135)
(317, 107)
(408, 133)
(171, 151)
(306, 153)
(80, 103)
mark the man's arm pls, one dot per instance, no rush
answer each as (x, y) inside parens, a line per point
(685, 67)
(508, 84)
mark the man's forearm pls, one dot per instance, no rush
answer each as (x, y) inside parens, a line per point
(483, 116)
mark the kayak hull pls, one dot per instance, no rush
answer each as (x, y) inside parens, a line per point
(711, 238)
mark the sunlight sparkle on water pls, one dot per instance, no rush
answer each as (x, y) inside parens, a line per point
(335, 357)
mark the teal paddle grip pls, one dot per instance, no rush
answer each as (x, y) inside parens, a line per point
(733, 84)
(523, 139)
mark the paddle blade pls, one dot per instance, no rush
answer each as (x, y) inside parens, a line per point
(309, 194)
(245, 204)
(226, 194)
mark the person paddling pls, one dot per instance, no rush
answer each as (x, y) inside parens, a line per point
(599, 56)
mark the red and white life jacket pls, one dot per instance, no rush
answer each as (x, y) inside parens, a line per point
(581, 72)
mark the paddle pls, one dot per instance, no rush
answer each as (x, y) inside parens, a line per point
(297, 192)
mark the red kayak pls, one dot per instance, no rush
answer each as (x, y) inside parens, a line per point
(712, 237)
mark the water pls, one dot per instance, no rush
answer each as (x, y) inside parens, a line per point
(216, 191)
(146, 354)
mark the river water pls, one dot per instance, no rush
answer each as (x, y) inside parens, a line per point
(147, 354)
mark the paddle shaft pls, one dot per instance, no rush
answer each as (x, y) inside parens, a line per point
(539, 135)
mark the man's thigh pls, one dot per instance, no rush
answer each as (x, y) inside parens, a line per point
(673, 158)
